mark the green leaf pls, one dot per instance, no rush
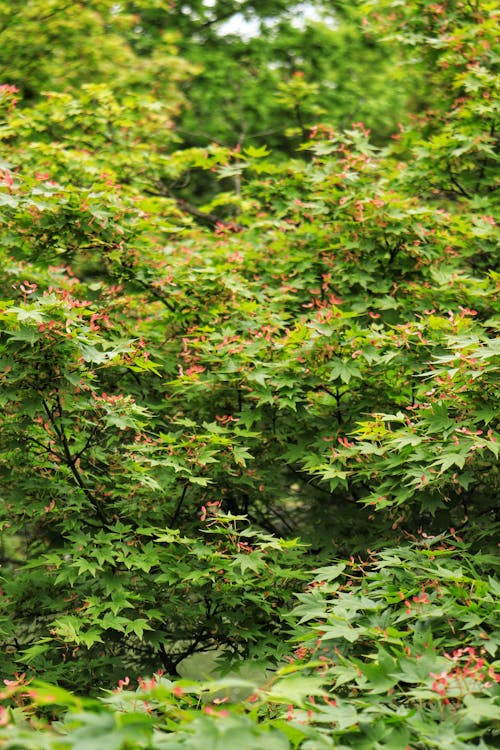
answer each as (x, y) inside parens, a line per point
(295, 689)
(481, 709)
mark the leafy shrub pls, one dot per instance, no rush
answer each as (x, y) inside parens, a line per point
(389, 652)
(190, 389)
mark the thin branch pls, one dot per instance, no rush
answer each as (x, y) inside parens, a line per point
(172, 661)
(154, 293)
(219, 19)
(11, 560)
(458, 186)
(283, 519)
(209, 218)
(48, 450)
(92, 433)
(71, 460)
(300, 121)
(206, 217)
(338, 397)
(178, 507)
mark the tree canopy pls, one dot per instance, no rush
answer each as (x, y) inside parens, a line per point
(249, 426)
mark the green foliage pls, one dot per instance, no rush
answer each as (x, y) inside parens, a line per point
(247, 51)
(224, 365)
(123, 598)
(393, 651)
(50, 45)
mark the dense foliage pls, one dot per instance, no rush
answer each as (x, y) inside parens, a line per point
(249, 363)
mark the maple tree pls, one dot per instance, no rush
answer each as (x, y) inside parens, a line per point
(233, 376)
